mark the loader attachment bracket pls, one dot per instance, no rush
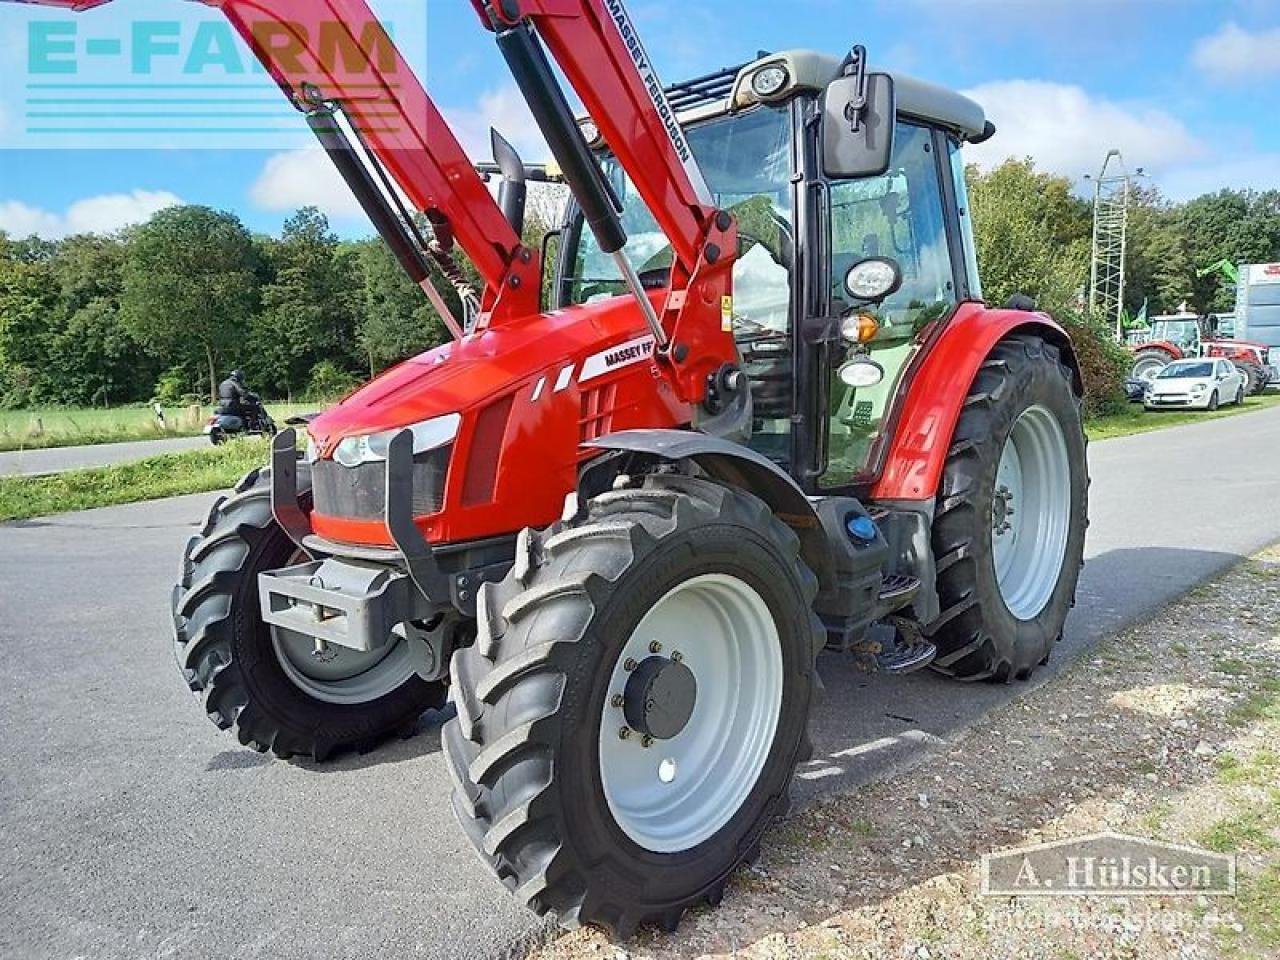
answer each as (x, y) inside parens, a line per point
(284, 488)
(419, 558)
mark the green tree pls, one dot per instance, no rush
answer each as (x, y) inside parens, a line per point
(1032, 235)
(396, 321)
(309, 307)
(191, 286)
(1240, 226)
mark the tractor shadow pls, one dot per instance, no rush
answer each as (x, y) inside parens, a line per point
(865, 725)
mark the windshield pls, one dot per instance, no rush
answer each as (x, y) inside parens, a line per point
(1178, 370)
(746, 160)
(1184, 333)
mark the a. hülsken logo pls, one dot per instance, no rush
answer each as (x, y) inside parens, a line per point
(1108, 864)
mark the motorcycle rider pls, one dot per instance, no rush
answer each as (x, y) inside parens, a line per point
(233, 397)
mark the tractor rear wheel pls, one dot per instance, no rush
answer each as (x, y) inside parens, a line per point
(267, 686)
(1252, 378)
(1009, 529)
(631, 714)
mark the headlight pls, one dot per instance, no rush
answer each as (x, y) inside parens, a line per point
(1198, 388)
(767, 81)
(372, 448)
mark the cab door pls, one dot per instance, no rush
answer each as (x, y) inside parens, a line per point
(910, 215)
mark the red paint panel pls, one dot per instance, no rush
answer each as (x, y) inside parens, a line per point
(913, 466)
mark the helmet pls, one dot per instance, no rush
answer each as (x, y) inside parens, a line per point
(237, 376)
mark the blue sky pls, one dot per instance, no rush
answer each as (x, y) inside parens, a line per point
(1187, 88)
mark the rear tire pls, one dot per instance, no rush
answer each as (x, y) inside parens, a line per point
(217, 437)
(999, 624)
(538, 736)
(1252, 378)
(227, 655)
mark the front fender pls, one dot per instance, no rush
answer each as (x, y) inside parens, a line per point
(937, 391)
(735, 465)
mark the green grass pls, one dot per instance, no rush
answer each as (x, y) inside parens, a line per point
(1134, 419)
(169, 475)
(1248, 831)
(47, 427)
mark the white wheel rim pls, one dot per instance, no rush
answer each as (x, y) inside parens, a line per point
(1031, 512)
(345, 675)
(676, 793)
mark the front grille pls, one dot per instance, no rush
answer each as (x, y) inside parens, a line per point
(359, 493)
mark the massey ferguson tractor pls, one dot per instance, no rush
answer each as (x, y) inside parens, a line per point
(765, 412)
(1183, 335)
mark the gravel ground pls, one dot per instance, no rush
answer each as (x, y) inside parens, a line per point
(1169, 730)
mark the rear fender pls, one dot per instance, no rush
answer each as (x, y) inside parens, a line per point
(725, 462)
(937, 392)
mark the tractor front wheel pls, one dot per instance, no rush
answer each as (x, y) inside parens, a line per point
(635, 704)
(1009, 529)
(270, 686)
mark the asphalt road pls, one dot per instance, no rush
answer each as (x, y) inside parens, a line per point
(57, 459)
(131, 828)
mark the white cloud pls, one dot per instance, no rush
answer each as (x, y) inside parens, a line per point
(1068, 131)
(102, 214)
(505, 110)
(1234, 53)
(300, 178)
(303, 178)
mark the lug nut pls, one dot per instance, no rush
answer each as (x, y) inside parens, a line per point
(630, 664)
(676, 656)
(655, 647)
(624, 733)
(647, 741)
(616, 701)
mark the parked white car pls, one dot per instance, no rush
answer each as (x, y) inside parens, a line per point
(1196, 384)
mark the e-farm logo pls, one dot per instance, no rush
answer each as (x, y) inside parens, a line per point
(107, 78)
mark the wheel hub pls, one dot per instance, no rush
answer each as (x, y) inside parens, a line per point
(660, 697)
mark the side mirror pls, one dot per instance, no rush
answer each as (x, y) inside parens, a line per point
(873, 279)
(857, 136)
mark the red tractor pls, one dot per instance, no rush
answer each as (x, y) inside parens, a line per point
(766, 412)
(1183, 335)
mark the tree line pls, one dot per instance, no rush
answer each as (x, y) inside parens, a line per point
(164, 310)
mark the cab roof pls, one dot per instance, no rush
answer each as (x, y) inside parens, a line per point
(730, 89)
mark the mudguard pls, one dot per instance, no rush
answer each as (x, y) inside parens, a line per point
(733, 464)
(936, 394)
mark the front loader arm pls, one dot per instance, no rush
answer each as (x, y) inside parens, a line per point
(600, 53)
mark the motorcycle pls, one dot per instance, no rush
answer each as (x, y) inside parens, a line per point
(253, 421)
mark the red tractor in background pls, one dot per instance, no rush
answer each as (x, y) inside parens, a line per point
(1187, 335)
(766, 412)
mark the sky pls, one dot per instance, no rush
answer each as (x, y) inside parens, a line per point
(1185, 88)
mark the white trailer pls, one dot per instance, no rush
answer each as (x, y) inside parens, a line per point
(1258, 309)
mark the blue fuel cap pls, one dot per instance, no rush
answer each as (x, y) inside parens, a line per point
(861, 527)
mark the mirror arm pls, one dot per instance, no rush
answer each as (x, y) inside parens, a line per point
(855, 65)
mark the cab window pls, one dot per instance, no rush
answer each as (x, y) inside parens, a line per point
(900, 216)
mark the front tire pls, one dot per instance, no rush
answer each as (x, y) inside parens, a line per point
(584, 803)
(1011, 513)
(1213, 401)
(260, 684)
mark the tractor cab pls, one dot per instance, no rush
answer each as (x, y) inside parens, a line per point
(826, 364)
